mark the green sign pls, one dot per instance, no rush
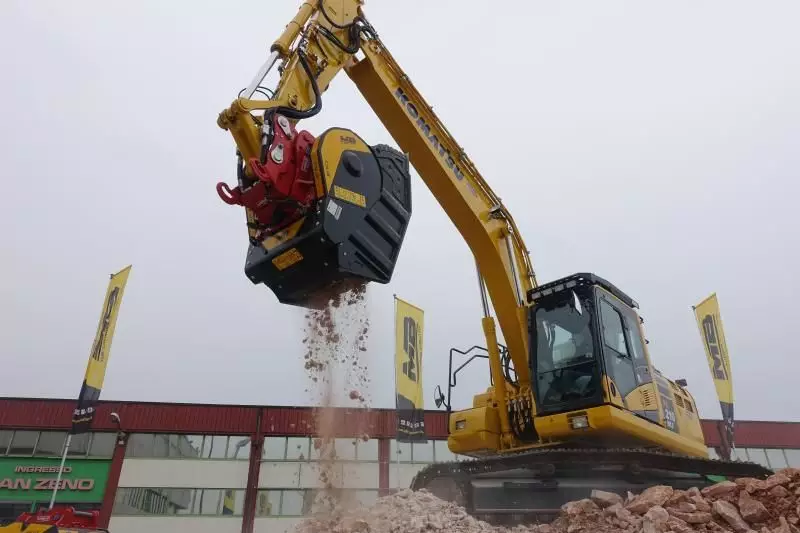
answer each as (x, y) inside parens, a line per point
(34, 478)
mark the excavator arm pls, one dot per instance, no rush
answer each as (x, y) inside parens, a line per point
(327, 36)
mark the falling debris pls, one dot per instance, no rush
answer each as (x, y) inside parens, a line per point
(335, 341)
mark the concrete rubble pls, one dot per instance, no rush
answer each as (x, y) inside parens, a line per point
(743, 506)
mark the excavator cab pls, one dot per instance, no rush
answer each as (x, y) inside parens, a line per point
(592, 372)
(588, 348)
(592, 380)
(325, 214)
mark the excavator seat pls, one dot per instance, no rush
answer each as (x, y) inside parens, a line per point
(350, 235)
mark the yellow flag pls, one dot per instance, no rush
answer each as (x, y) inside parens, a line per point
(709, 322)
(83, 414)
(409, 329)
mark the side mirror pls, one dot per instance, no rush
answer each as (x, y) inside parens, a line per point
(438, 397)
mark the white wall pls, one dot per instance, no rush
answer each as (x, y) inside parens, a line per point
(173, 524)
(272, 525)
(184, 473)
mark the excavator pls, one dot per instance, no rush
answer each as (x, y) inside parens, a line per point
(574, 402)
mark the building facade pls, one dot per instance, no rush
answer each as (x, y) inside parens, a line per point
(231, 469)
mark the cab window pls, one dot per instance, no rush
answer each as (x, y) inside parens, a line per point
(613, 332)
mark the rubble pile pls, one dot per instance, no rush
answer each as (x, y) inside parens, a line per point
(403, 512)
(743, 506)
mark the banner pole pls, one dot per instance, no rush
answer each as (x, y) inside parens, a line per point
(397, 467)
(60, 470)
(396, 407)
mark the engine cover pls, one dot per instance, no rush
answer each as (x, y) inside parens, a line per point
(352, 234)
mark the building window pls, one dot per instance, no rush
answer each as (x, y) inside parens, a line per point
(776, 458)
(400, 452)
(441, 453)
(758, 455)
(102, 445)
(23, 443)
(174, 446)
(275, 448)
(422, 452)
(292, 503)
(793, 457)
(367, 450)
(268, 503)
(739, 454)
(191, 446)
(174, 501)
(160, 445)
(5, 440)
(433, 451)
(215, 446)
(346, 449)
(79, 445)
(140, 445)
(210, 502)
(300, 502)
(9, 511)
(297, 449)
(239, 448)
(51, 444)
(305, 449)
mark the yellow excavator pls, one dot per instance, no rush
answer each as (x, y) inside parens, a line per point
(575, 402)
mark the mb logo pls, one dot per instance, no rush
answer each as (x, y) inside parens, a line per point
(712, 341)
(97, 349)
(410, 345)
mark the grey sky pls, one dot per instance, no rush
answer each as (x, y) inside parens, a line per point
(652, 143)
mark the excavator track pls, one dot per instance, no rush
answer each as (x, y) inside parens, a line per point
(532, 485)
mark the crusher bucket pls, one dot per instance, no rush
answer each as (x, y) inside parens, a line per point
(324, 214)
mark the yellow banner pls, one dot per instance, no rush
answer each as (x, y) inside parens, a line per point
(408, 353)
(101, 347)
(709, 322)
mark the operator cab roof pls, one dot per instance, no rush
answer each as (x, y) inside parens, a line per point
(576, 280)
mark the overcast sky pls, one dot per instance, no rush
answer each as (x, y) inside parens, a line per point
(655, 144)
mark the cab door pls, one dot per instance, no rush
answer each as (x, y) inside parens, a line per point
(618, 353)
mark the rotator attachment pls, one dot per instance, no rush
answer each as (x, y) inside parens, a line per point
(283, 189)
(325, 214)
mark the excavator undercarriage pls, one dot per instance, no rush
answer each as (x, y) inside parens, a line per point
(532, 485)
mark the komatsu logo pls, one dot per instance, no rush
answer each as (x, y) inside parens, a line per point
(425, 128)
